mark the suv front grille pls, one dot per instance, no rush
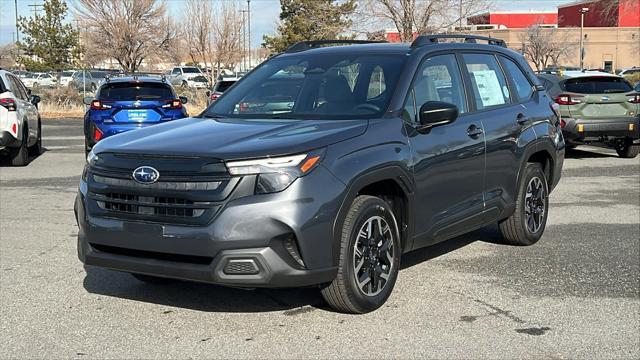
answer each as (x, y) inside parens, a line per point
(150, 205)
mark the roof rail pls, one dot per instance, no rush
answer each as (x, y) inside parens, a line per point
(434, 39)
(307, 45)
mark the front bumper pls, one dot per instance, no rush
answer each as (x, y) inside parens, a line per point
(242, 246)
(587, 130)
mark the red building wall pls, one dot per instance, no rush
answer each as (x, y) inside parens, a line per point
(627, 14)
(513, 20)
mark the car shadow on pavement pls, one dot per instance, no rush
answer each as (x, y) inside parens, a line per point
(587, 154)
(214, 298)
(199, 296)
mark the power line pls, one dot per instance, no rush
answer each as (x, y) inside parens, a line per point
(36, 8)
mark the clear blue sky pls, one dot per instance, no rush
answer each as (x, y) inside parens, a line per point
(264, 14)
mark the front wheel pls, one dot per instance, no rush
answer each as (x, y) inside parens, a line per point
(526, 225)
(369, 258)
(628, 150)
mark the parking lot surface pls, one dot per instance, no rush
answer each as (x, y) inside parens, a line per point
(575, 294)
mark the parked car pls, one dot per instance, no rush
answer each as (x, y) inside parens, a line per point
(221, 85)
(185, 76)
(35, 80)
(128, 103)
(20, 127)
(332, 192)
(597, 108)
(65, 77)
(630, 71)
(88, 80)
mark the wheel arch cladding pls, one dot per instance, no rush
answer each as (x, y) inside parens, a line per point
(392, 185)
(544, 158)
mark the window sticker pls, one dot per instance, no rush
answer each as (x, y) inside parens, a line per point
(489, 87)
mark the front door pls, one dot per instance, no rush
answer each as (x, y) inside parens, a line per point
(448, 160)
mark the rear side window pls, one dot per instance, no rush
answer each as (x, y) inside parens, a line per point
(487, 81)
(191, 70)
(523, 89)
(222, 86)
(3, 88)
(135, 91)
(597, 85)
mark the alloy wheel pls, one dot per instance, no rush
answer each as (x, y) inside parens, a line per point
(373, 255)
(535, 204)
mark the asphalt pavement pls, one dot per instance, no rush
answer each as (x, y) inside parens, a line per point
(575, 294)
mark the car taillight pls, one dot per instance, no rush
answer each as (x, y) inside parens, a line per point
(173, 104)
(215, 95)
(9, 104)
(635, 99)
(566, 99)
(97, 134)
(99, 105)
(562, 123)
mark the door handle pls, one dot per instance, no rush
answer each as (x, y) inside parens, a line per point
(521, 119)
(474, 131)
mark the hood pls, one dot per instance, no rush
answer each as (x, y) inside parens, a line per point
(230, 139)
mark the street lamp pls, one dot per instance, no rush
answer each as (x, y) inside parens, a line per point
(582, 12)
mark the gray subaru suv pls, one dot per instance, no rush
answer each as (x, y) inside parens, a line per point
(373, 151)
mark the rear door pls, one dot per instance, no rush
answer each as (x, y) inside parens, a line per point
(599, 98)
(137, 102)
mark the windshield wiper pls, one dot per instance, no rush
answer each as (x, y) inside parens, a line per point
(609, 91)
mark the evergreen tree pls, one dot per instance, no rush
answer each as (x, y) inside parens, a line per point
(48, 43)
(310, 20)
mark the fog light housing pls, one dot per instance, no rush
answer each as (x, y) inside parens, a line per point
(291, 245)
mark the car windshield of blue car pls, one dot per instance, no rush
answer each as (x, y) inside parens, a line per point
(125, 91)
(318, 86)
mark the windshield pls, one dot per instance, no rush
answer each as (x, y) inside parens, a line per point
(326, 86)
(191, 70)
(597, 85)
(136, 91)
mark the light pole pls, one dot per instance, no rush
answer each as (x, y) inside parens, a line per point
(244, 41)
(17, 32)
(582, 12)
(249, 32)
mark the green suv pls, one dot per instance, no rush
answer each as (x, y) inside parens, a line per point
(596, 107)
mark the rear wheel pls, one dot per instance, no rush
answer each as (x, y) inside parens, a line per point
(36, 148)
(369, 258)
(526, 225)
(628, 150)
(21, 155)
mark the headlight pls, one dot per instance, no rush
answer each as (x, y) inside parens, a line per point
(91, 156)
(275, 174)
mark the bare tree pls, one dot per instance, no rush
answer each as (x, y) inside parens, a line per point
(227, 36)
(8, 55)
(198, 36)
(546, 46)
(418, 16)
(128, 30)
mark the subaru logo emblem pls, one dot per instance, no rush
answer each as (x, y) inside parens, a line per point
(146, 175)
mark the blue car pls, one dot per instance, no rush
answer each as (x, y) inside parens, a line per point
(130, 103)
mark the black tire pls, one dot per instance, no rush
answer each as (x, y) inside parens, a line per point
(517, 229)
(184, 85)
(628, 150)
(152, 279)
(343, 293)
(36, 149)
(20, 156)
(87, 149)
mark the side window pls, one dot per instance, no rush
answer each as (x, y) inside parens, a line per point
(376, 83)
(16, 88)
(22, 89)
(438, 79)
(487, 81)
(524, 89)
(176, 71)
(409, 110)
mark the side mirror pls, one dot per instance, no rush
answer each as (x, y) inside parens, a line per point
(29, 92)
(183, 99)
(87, 100)
(35, 99)
(434, 113)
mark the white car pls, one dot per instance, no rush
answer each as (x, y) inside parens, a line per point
(629, 71)
(187, 76)
(39, 80)
(20, 125)
(65, 77)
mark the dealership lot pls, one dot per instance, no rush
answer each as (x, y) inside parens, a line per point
(574, 294)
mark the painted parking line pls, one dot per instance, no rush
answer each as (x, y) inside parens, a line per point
(63, 147)
(63, 137)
